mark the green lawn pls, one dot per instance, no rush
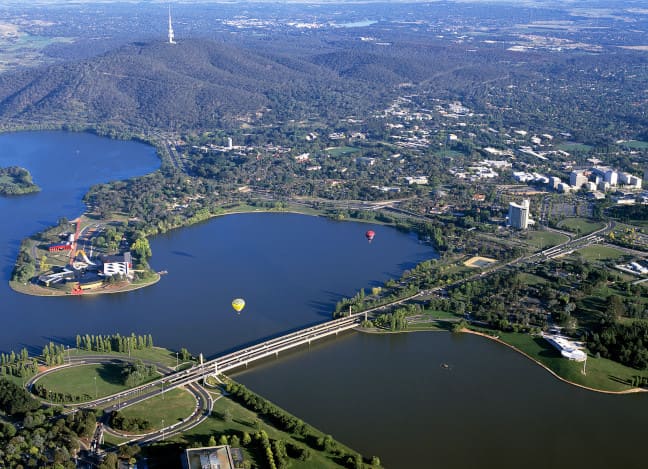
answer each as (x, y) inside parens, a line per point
(80, 380)
(544, 239)
(154, 354)
(110, 440)
(635, 144)
(602, 373)
(436, 314)
(345, 150)
(582, 226)
(173, 406)
(531, 279)
(243, 421)
(600, 253)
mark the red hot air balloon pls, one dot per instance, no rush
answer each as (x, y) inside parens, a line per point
(370, 235)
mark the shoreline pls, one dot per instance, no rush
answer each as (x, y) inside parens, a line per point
(553, 373)
(376, 331)
(36, 290)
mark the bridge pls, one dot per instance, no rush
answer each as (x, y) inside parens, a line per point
(229, 362)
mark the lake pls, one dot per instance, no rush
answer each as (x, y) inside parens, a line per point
(291, 269)
(388, 395)
(381, 394)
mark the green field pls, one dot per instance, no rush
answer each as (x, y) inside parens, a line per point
(544, 239)
(582, 226)
(602, 374)
(243, 420)
(80, 380)
(531, 279)
(172, 407)
(601, 253)
(338, 151)
(155, 354)
(635, 144)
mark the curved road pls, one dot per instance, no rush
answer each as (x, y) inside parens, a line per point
(202, 410)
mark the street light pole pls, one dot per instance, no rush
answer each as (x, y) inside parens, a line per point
(96, 393)
(177, 363)
(162, 429)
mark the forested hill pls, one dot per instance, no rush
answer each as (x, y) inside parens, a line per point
(194, 84)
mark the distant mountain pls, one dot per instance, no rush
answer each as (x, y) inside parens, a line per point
(194, 84)
(202, 84)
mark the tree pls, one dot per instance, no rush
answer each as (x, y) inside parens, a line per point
(141, 248)
(615, 307)
(110, 462)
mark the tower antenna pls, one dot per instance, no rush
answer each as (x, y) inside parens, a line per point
(171, 41)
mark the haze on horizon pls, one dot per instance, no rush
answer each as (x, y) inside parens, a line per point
(544, 3)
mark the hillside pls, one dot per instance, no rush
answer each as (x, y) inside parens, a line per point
(195, 84)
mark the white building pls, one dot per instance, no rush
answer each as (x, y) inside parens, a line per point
(577, 179)
(611, 177)
(522, 176)
(630, 180)
(211, 457)
(423, 180)
(606, 174)
(120, 264)
(519, 215)
(567, 348)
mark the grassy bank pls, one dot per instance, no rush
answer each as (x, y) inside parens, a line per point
(230, 418)
(601, 374)
(152, 354)
(86, 381)
(171, 407)
(581, 226)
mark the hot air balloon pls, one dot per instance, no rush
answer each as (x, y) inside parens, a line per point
(238, 304)
(370, 235)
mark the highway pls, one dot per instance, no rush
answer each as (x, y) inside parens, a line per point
(189, 378)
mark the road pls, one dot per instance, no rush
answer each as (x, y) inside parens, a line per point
(189, 378)
(204, 401)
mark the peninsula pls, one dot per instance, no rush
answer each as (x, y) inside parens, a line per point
(15, 180)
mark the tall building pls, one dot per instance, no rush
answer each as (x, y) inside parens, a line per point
(611, 177)
(577, 179)
(519, 215)
(171, 41)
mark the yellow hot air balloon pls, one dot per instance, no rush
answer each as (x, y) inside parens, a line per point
(238, 304)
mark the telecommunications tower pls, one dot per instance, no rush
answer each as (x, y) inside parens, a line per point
(171, 41)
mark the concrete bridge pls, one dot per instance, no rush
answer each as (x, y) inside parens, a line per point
(230, 361)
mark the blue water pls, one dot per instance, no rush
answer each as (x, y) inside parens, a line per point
(291, 269)
(380, 394)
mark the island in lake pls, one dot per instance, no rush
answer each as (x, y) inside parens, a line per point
(15, 180)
